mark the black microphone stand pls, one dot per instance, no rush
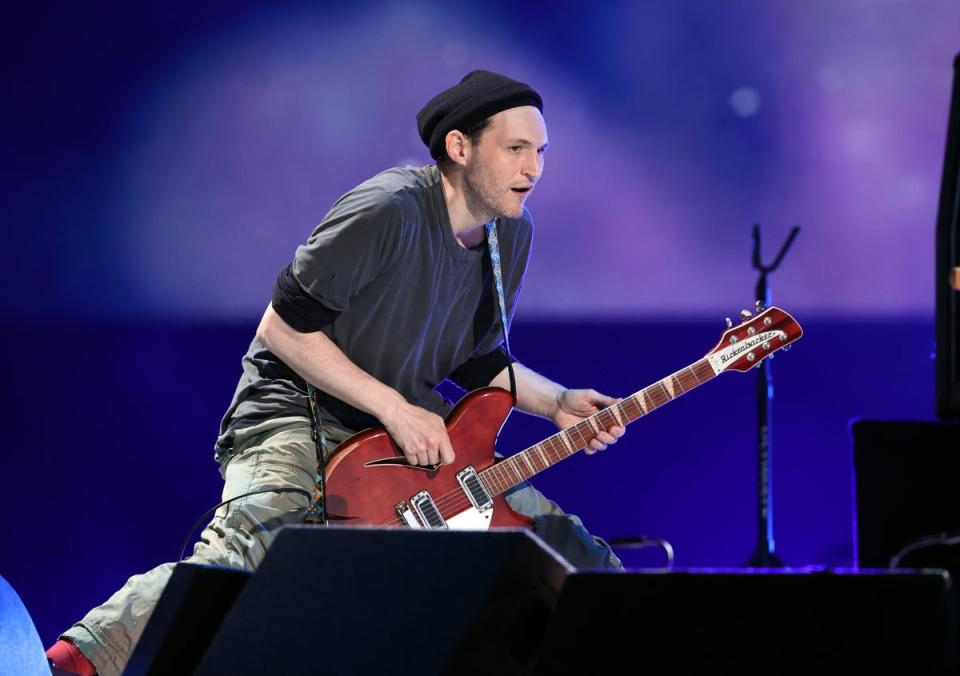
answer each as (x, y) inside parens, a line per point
(763, 555)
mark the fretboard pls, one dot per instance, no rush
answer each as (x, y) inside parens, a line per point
(525, 464)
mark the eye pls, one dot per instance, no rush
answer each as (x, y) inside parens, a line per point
(515, 149)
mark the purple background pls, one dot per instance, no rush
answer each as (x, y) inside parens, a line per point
(161, 164)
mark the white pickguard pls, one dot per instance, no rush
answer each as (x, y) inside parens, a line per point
(471, 519)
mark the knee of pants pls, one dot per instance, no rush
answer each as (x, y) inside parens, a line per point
(270, 484)
(240, 537)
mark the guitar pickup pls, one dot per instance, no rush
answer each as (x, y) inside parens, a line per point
(404, 513)
(427, 510)
(476, 492)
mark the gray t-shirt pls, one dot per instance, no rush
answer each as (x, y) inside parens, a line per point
(409, 303)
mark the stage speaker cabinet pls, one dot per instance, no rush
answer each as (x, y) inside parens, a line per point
(839, 622)
(391, 601)
(188, 614)
(906, 488)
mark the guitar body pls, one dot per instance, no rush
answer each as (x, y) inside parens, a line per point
(368, 477)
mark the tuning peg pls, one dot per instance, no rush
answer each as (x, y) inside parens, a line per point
(745, 314)
(729, 323)
(760, 306)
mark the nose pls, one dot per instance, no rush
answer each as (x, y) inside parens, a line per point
(533, 167)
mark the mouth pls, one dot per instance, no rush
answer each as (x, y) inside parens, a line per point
(522, 190)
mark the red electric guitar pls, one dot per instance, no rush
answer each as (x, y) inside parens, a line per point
(370, 482)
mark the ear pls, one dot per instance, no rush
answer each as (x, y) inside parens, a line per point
(457, 147)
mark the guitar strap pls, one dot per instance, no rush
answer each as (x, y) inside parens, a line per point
(494, 246)
(317, 510)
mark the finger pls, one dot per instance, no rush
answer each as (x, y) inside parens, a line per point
(602, 399)
(597, 445)
(617, 431)
(422, 458)
(433, 456)
(447, 456)
(606, 438)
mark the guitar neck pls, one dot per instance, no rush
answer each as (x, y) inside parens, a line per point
(521, 466)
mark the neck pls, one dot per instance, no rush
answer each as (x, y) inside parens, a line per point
(466, 220)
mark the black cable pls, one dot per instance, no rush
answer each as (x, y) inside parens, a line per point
(321, 459)
(641, 541)
(947, 539)
(193, 529)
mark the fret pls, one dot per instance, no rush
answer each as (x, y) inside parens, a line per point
(550, 446)
(678, 385)
(568, 441)
(487, 483)
(515, 468)
(543, 457)
(648, 401)
(499, 480)
(594, 427)
(665, 392)
(490, 477)
(585, 437)
(617, 414)
(611, 418)
(527, 460)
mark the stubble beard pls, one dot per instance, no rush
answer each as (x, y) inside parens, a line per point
(482, 200)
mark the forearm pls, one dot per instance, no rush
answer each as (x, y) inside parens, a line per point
(539, 396)
(321, 363)
(535, 394)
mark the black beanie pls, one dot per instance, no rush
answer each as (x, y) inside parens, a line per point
(479, 95)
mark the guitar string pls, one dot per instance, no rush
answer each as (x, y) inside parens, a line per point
(456, 499)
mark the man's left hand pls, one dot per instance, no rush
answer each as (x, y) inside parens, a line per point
(575, 405)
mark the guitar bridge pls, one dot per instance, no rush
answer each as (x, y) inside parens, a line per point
(427, 510)
(476, 492)
(404, 513)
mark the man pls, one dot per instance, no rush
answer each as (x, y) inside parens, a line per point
(393, 292)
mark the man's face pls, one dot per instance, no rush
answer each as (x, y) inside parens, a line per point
(506, 162)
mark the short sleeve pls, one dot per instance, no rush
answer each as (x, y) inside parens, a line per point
(480, 371)
(358, 239)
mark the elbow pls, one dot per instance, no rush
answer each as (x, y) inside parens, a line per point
(267, 329)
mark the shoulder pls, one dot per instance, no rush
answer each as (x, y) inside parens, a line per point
(391, 205)
(398, 188)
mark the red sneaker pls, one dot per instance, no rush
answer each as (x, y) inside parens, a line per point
(67, 657)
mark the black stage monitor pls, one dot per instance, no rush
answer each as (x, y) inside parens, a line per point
(948, 266)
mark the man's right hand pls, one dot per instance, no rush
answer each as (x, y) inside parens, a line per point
(420, 434)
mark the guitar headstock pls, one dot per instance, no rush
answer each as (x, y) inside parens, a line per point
(746, 345)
